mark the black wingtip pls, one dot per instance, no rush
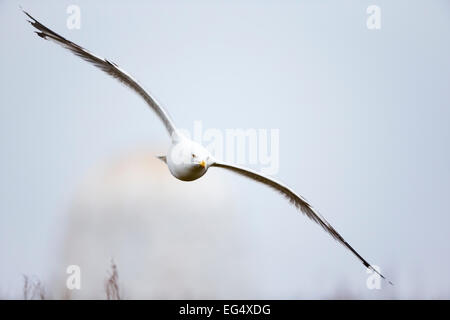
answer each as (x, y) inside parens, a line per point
(41, 34)
(388, 281)
(26, 13)
(383, 277)
(32, 21)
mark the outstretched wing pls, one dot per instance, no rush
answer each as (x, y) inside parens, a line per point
(107, 66)
(300, 204)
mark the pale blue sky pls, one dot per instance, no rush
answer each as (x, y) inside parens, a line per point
(363, 118)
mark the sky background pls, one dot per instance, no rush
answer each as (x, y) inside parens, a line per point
(363, 118)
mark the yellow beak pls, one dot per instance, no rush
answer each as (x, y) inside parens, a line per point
(203, 164)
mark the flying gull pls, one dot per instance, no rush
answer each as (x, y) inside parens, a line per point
(186, 159)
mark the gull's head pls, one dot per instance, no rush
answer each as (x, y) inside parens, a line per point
(198, 161)
(188, 160)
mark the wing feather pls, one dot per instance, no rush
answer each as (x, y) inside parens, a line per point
(300, 203)
(107, 66)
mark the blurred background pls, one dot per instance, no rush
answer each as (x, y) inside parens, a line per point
(364, 136)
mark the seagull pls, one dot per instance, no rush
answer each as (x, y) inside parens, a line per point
(187, 160)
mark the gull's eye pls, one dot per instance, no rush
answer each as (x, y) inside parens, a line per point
(193, 155)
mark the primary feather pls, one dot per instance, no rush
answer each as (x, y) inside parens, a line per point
(107, 66)
(300, 204)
